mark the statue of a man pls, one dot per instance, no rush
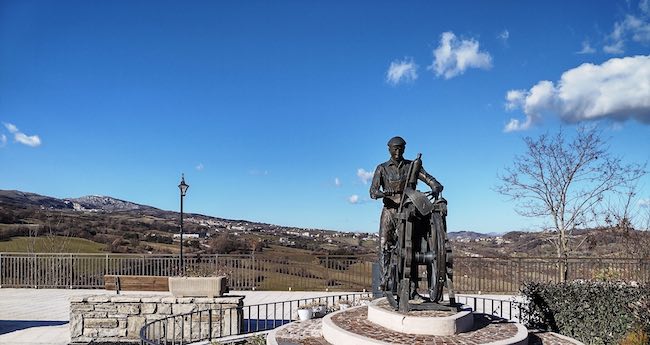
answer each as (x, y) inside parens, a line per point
(388, 183)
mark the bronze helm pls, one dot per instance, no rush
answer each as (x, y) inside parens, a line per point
(396, 141)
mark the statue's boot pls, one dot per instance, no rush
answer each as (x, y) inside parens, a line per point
(385, 270)
(416, 298)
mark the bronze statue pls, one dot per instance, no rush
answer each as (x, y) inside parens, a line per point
(412, 231)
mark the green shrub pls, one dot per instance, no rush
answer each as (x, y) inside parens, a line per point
(592, 312)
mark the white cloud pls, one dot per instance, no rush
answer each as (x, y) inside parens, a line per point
(337, 182)
(586, 48)
(29, 140)
(200, 167)
(256, 172)
(402, 71)
(644, 202)
(618, 89)
(3, 140)
(353, 199)
(632, 28)
(11, 128)
(504, 35)
(644, 6)
(514, 98)
(364, 175)
(20, 137)
(453, 56)
(614, 48)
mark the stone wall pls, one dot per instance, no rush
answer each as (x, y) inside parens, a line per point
(119, 318)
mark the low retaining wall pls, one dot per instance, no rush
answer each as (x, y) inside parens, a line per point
(115, 319)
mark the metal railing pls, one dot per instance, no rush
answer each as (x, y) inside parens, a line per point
(317, 272)
(219, 323)
(216, 324)
(506, 309)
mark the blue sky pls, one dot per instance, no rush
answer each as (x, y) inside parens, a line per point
(277, 111)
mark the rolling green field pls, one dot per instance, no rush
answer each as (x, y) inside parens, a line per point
(55, 244)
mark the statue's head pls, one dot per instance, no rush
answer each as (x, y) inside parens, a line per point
(396, 147)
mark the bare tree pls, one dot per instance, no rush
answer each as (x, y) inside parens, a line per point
(625, 215)
(564, 181)
(49, 237)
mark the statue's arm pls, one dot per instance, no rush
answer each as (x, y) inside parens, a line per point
(375, 193)
(435, 186)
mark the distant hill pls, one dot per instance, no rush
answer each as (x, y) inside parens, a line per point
(471, 235)
(106, 204)
(85, 203)
(24, 199)
(123, 226)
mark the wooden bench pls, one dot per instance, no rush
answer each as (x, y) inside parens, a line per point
(135, 283)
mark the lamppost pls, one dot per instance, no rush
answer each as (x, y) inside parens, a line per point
(183, 187)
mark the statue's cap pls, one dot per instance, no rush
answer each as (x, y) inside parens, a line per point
(396, 141)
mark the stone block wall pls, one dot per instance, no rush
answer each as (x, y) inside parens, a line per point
(119, 318)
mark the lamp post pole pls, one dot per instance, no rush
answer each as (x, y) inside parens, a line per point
(183, 188)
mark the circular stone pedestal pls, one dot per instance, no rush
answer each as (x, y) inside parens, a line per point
(353, 327)
(425, 322)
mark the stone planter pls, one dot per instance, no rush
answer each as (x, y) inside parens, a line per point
(305, 314)
(198, 286)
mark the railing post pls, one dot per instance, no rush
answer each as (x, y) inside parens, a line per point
(327, 269)
(480, 277)
(2, 270)
(71, 270)
(519, 282)
(210, 324)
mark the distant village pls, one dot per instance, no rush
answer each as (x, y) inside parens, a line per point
(288, 236)
(282, 235)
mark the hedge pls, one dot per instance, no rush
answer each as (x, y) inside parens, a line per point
(592, 312)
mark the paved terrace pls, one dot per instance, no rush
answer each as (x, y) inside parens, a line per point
(41, 316)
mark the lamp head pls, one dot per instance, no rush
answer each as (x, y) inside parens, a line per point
(183, 186)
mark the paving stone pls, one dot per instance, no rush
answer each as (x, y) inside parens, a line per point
(100, 323)
(148, 308)
(164, 309)
(125, 299)
(98, 299)
(74, 299)
(128, 309)
(170, 300)
(81, 307)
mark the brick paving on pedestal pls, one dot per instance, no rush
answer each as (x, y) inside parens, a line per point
(486, 329)
(423, 313)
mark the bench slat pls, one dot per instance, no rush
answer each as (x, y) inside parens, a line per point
(136, 283)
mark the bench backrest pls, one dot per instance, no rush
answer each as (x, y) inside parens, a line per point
(136, 283)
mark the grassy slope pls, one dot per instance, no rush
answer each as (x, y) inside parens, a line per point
(51, 244)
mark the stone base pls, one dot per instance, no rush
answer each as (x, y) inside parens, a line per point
(426, 322)
(119, 318)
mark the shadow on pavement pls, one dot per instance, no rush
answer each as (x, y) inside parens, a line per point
(8, 326)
